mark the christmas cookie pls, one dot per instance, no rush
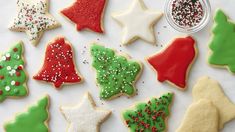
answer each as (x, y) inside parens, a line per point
(150, 116)
(33, 18)
(34, 120)
(201, 116)
(138, 22)
(86, 14)
(173, 63)
(115, 74)
(59, 67)
(222, 44)
(85, 117)
(210, 89)
(12, 74)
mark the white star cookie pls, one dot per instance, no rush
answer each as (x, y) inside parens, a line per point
(138, 22)
(33, 18)
(85, 117)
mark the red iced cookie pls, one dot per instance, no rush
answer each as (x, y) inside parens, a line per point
(173, 63)
(58, 66)
(86, 14)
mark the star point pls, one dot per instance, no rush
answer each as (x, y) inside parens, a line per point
(84, 117)
(137, 22)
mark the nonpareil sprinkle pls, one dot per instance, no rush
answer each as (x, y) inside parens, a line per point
(187, 13)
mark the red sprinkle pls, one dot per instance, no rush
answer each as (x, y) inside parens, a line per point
(17, 83)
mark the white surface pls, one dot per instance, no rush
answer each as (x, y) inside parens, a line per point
(72, 94)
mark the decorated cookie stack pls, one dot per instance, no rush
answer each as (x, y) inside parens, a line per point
(114, 72)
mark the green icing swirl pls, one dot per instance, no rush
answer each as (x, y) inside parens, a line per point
(12, 74)
(223, 42)
(34, 120)
(115, 74)
(149, 117)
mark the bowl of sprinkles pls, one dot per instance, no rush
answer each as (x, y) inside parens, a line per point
(188, 16)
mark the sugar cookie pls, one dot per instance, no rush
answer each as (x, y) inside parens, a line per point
(151, 116)
(201, 116)
(33, 18)
(85, 117)
(173, 63)
(59, 67)
(222, 44)
(116, 75)
(86, 14)
(34, 120)
(12, 73)
(137, 22)
(207, 88)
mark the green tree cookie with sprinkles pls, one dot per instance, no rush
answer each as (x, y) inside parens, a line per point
(12, 74)
(150, 116)
(34, 120)
(115, 74)
(222, 44)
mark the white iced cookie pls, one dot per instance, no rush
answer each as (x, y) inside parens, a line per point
(207, 88)
(138, 22)
(33, 18)
(201, 116)
(85, 117)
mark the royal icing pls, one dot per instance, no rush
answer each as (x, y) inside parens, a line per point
(138, 22)
(12, 74)
(85, 117)
(149, 117)
(222, 44)
(173, 63)
(207, 88)
(34, 120)
(115, 74)
(86, 14)
(33, 18)
(58, 66)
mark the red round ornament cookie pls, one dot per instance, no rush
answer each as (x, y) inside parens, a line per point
(86, 14)
(173, 63)
(59, 67)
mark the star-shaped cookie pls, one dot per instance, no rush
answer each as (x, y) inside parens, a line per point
(138, 22)
(85, 117)
(86, 14)
(33, 18)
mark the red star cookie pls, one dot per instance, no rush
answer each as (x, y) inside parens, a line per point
(58, 66)
(86, 14)
(173, 63)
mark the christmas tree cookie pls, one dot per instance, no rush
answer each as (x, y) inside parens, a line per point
(59, 67)
(12, 75)
(34, 120)
(33, 18)
(115, 74)
(86, 14)
(150, 116)
(173, 63)
(222, 45)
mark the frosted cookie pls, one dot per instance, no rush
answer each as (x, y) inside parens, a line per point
(210, 89)
(58, 67)
(137, 22)
(33, 18)
(150, 116)
(86, 14)
(35, 119)
(115, 74)
(174, 62)
(222, 44)
(12, 73)
(85, 117)
(201, 116)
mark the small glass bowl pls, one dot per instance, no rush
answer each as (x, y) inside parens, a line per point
(206, 18)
